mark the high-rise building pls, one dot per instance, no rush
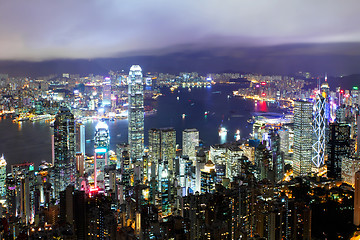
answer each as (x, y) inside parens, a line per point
(319, 126)
(80, 138)
(338, 147)
(302, 138)
(106, 92)
(64, 150)
(190, 139)
(2, 177)
(208, 178)
(136, 113)
(101, 147)
(162, 146)
(357, 199)
(277, 157)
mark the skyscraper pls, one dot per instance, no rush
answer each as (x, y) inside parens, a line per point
(162, 146)
(136, 113)
(106, 92)
(319, 126)
(101, 146)
(2, 177)
(80, 138)
(302, 138)
(337, 148)
(64, 150)
(190, 142)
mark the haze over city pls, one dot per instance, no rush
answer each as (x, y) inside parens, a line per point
(169, 119)
(170, 36)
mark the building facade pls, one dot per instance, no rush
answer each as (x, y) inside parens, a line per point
(136, 113)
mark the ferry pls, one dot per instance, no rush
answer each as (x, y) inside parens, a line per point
(237, 135)
(222, 131)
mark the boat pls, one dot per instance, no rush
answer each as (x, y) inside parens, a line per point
(222, 131)
(237, 135)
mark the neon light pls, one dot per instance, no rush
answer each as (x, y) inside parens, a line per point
(101, 150)
(263, 83)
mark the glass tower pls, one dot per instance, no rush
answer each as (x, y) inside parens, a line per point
(64, 150)
(303, 134)
(136, 113)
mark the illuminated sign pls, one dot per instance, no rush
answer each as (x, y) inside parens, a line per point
(101, 150)
(356, 88)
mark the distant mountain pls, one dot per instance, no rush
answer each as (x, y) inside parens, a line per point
(334, 59)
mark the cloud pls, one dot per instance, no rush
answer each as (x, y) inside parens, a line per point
(42, 29)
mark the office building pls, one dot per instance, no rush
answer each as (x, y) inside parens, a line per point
(2, 177)
(338, 147)
(80, 138)
(190, 140)
(101, 148)
(136, 113)
(64, 150)
(106, 101)
(319, 126)
(162, 147)
(303, 135)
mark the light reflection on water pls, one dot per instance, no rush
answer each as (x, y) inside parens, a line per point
(31, 142)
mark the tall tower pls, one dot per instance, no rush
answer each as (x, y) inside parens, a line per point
(64, 150)
(106, 85)
(80, 138)
(136, 113)
(302, 138)
(2, 177)
(101, 146)
(319, 126)
(190, 142)
(338, 147)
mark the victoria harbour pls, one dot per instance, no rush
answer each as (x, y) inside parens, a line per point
(205, 109)
(180, 120)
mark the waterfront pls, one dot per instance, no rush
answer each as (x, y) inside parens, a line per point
(28, 141)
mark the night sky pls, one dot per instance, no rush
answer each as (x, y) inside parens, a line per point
(175, 35)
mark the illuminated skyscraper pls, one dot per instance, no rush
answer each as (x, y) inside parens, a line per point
(208, 178)
(319, 126)
(136, 113)
(190, 142)
(101, 146)
(165, 193)
(2, 177)
(162, 146)
(64, 150)
(80, 138)
(338, 147)
(302, 138)
(106, 92)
